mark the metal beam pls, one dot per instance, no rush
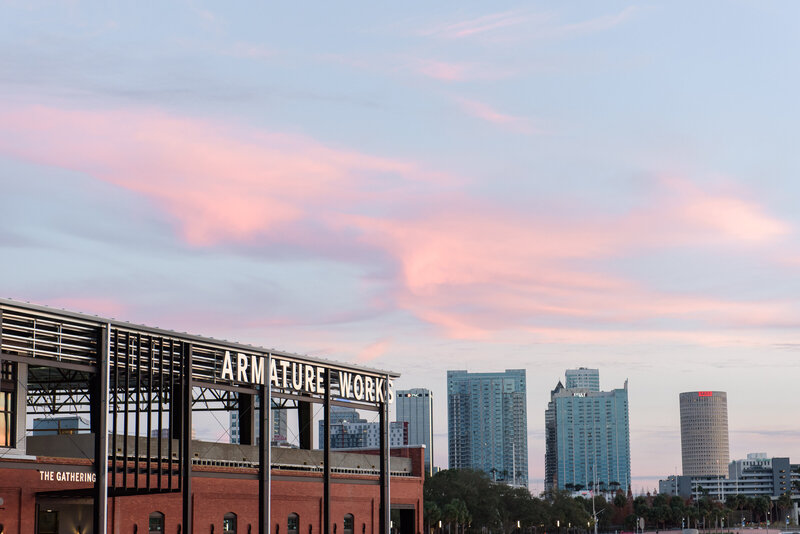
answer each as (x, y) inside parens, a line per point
(305, 425)
(265, 455)
(385, 505)
(100, 428)
(326, 456)
(186, 436)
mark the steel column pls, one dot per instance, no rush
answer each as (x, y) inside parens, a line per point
(247, 417)
(305, 425)
(385, 506)
(100, 429)
(265, 452)
(326, 455)
(186, 436)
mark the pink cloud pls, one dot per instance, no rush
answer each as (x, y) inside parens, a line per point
(373, 350)
(487, 113)
(90, 305)
(478, 25)
(219, 182)
(473, 268)
(461, 71)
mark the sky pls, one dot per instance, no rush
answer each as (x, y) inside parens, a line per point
(427, 186)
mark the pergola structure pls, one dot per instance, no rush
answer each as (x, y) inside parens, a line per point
(133, 379)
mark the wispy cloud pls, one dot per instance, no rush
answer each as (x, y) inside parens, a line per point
(487, 113)
(597, 24)
(454, 71)
(473, 268)
(479, 25)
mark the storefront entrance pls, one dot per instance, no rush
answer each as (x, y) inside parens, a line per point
(63, 516)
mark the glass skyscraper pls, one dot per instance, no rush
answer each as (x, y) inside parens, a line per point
(587, 437)
(487, 424)
(415, 407)
(583, 378)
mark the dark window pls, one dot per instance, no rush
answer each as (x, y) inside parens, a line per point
(229, 523)
(348, 524)
(8, 388)
(48, 522)
(156, 522)
(293, 524)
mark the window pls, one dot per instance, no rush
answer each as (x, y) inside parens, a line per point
(348, 524)
(293, 524)
(229, 523)
(156, 523)
(8, 384)
(48, 522)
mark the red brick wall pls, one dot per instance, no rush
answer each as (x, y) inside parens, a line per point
(213, 497)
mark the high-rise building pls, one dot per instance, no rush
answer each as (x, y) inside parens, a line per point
(415, 407)
(278, 417)
(487, 424)
(587, 435)
(551, 442)
(583, 377)
(350, 431)
(704, 433)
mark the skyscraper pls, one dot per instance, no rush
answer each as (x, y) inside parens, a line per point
(704, 433)
(487, 424)
(415, 406)
(587, 435)
(278, 417)
(583, 378)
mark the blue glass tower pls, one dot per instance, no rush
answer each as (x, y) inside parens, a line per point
(487, 424)
(592, 439)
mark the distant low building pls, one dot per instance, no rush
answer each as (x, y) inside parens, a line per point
(350, 431)
(753, 476)
(71, 424)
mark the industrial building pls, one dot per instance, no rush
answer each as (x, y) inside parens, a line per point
(137, 468)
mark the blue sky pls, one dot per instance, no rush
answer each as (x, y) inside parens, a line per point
(423, 188)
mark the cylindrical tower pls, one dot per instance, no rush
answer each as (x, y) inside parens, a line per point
(704, 433)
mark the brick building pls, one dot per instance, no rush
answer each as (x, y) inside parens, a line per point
(138, 388)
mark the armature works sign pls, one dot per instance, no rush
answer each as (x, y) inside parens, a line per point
(301, 377)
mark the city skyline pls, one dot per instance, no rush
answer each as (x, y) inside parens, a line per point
(423, 187)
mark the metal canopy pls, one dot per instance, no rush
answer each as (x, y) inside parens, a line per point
(131, 376)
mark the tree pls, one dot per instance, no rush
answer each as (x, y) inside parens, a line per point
(473, 487)
(432, 513)
(785, 503)
(456, 511)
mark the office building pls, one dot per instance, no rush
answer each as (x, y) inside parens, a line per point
(583, 378)
(755, 476)
(487, 424)
(587, 436)
(350, 431)
(551, 442)
(704, 433)
(415, 407)
(280, 425)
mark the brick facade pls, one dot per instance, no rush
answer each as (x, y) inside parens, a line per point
(215, 492)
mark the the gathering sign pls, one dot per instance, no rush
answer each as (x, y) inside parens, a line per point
(303, 377)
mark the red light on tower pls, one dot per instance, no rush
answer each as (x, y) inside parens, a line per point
(704, 394)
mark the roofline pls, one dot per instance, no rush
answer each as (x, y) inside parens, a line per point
(96, 320)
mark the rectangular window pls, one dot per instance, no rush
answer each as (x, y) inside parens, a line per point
(8, 389)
